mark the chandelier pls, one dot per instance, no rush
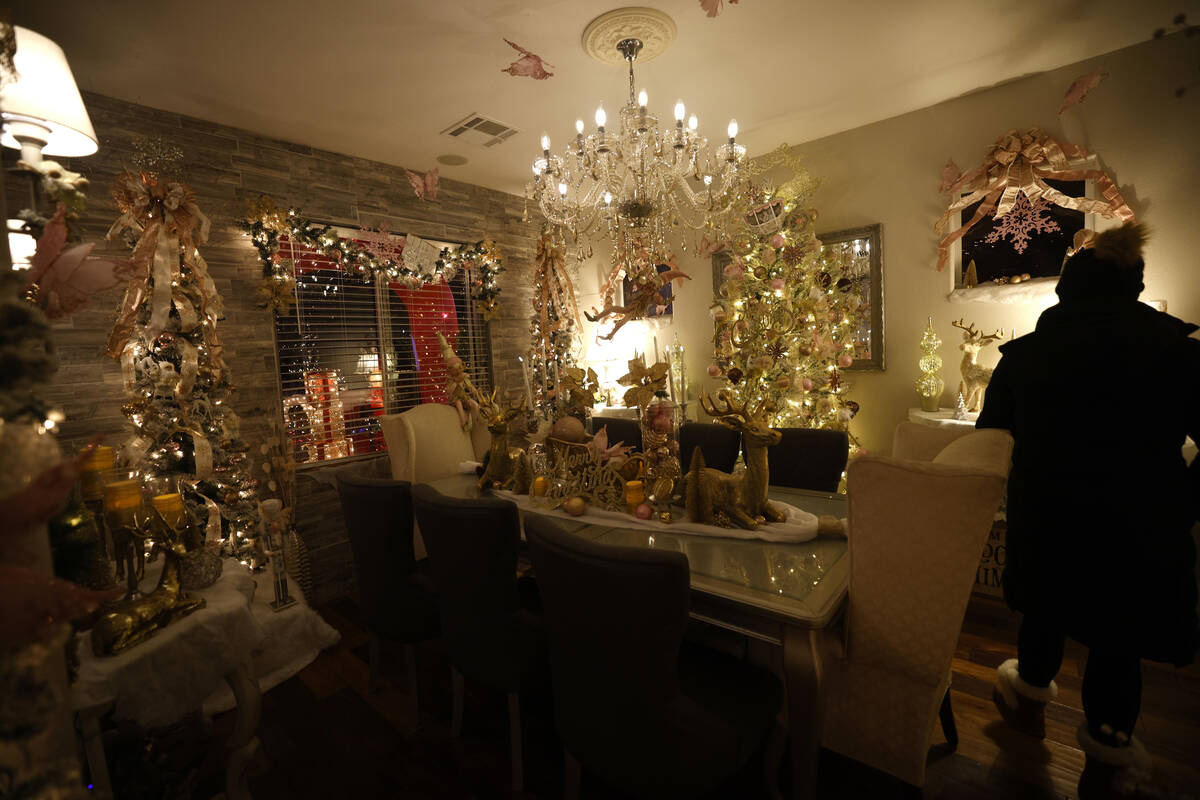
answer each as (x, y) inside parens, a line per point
(641, 183)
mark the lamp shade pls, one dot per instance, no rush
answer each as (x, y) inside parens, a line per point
(44, 103)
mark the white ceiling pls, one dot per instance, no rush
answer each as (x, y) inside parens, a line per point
(380, 78)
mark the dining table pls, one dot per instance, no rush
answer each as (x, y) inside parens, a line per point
(787, 595)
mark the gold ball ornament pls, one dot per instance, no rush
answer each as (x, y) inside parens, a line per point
(575, 506)
(568, 429)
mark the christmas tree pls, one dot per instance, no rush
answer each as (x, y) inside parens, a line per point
(176, 381)
(553, 328)
(788, 318)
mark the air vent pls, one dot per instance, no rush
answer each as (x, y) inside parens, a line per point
(479, 130)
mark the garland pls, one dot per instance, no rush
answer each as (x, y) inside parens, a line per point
(265, 223)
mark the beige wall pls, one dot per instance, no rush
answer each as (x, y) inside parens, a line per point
(888, 173)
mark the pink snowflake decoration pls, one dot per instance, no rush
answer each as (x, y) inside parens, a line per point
(381, 244)
(1023, 221)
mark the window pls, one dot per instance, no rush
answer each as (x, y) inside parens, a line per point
(353, 348)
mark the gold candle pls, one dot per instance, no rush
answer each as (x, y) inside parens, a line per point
(635, 495)
(170, 506)
(122, 499)
(91, 487)
(538, 487)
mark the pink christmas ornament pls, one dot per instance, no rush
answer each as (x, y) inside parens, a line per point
(845, 360)
(714, 371)
(777, 241)
(644, 511)
(720, 316)
(806, 384)
(777, 284)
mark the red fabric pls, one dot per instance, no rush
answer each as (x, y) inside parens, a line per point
(430, 311)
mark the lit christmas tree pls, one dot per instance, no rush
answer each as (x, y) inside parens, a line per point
(176, 380)
(553, 328)
(789, 318)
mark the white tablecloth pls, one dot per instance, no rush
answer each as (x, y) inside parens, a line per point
(182, 668)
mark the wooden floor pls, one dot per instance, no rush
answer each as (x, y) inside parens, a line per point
(324, 736)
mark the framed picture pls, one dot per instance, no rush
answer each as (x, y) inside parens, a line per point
(863, 249)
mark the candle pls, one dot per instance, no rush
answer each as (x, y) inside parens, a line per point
(635, 495)
(656, 358)
(670, 381)
(170, 506)
(528, 384)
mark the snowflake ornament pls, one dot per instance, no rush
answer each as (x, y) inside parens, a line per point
(1023, 221)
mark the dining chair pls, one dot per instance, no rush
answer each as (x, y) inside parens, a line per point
(394, 589)
(620, 429)
(809, 458)
(916, 531)
(425, 443)
(630, 704)
(718, 443)
(490, 620)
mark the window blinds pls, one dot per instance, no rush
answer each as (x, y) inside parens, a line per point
(353, 348)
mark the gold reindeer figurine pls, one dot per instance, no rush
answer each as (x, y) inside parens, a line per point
(506, 465)
(742, 497)
(138, 619)
(974, 377)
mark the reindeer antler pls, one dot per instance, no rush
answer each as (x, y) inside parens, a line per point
(978, 337)
(738, 413)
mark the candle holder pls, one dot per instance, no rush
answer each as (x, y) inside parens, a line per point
(91, 489)
(660, 420)
(123, 512)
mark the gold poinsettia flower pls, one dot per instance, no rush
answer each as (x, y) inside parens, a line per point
(644, 382)
(581, 386)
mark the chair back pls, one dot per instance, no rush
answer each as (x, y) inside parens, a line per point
(472, 546)
(809, 458)
(426, 442)
(379, 519)
(915, 441)
(916, 532)
(718, 443)
(620, 429)
(615, 618)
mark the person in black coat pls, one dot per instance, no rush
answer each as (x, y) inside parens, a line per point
(1101, 503)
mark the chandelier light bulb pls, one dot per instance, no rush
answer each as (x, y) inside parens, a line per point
(608, 198)
(708, 180)
(643, 98)
(601, 117)
(679, 111)
(562, 189)
(733, 128)
(545, 142)
(693, 123)
(579, 126)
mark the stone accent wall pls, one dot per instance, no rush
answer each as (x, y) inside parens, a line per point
(226, 166)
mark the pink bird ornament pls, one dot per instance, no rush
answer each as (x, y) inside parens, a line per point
(426, 188)
(950, 175)
(529, 65)
(713, 8)
(1079, 89)
(65, 279)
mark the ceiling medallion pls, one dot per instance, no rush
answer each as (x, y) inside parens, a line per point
(653, 28)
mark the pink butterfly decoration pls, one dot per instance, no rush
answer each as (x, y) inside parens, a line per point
(529, 65)
(425, 187)
(713, 7)
(950, 176)
(1079, 89)
(67, 278)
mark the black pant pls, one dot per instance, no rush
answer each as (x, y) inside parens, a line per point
(1112, 680)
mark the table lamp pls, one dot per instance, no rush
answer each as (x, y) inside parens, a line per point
(42, 111)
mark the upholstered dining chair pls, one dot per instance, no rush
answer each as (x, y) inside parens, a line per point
(719, 444)
(809, 458)
(628, 703)
(916, 531)
(490, 619)
(620, 429)
(394, 591)
(425, 443)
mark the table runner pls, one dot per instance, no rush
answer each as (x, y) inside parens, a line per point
(800, 525)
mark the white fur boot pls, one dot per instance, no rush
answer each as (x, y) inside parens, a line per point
(1120, 771)
(1023, 706)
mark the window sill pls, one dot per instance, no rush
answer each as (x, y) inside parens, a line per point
(1034, 291)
